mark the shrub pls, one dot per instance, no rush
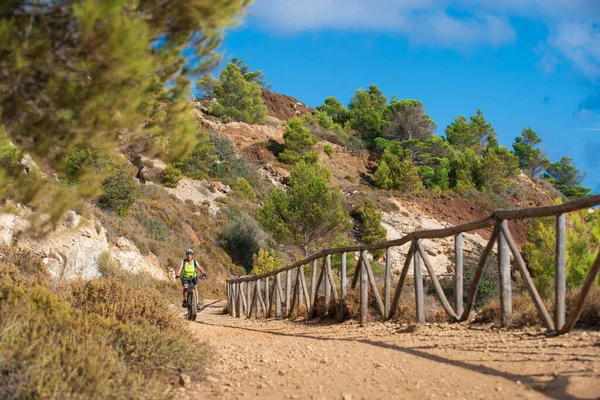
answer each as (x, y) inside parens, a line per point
(52, 350)
(265, 261)
(238, 99)
(198, 164)
(113, 299)
(369, 226)
(171, 176)
(297, 141)
(242, 237)
(120, 192)
(329, 150)
(244, 189)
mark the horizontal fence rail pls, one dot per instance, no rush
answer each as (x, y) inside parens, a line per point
(246, 294)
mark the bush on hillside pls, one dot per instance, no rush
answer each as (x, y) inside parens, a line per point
(265, 261)
(237, 98)
(298, 142)
(199, 163)
(120, 191)
(370, 229)
(329, 150)
(242, 237)
(243, 188)
(171, 176)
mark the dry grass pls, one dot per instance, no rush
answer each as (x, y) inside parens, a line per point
(101, 338)
(525, 312)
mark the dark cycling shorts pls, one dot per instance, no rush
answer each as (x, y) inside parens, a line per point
(188, 280)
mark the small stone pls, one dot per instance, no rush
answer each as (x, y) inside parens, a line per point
(212, 379)
(282, 372)
(184, 380)
(346, 396)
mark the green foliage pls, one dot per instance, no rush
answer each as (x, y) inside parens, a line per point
(334, 109)
(474, 134)
(205, 87)
(465, 171)
(329, 150)
(499, 169)
(198, 164)
(244, 189)
(366, 111)
(582, 242)
(229, 166)
(171, 176)
(324, 120)
(531, 157)
(237, 98)
(119, 192)
(265, 261)
(392, 173)
(298, 141)
(256, 77)
(406, 119)
(89, 75)
(308, 213)
(242, 237)
(369, 226)
(567, 178)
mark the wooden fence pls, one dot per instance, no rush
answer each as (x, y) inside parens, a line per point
(245, 295)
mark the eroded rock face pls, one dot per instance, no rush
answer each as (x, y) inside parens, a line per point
(439, 251)
(73, 249)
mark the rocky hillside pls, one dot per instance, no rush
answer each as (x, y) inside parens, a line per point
(166, 220)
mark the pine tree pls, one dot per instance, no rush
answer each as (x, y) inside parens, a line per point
(237, 98)
(370, 229)
(88, 75)
(309, 212)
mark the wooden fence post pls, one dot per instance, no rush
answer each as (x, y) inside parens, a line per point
(575, 313)
(387, 283)
(364, 294)
(458, 273)
(240, 300)
(560, 273)
(400, 284)
(267, 297)
(257, 288)
(418, 278)
(313, 283)
(248, 299)
(504, 273)
(278, 296)
(327, 283)
(343, 278)
(288, 290)
(374, 289)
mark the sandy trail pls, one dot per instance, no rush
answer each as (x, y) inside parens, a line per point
(283, 359)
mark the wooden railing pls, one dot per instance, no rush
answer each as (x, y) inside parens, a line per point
(245, 294)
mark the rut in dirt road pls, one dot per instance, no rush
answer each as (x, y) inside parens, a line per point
(282, 359)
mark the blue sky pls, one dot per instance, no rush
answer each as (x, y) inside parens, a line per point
(522, 62)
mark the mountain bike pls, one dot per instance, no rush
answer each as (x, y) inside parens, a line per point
(192, 300)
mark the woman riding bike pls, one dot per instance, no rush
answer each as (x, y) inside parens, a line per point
(188, 271)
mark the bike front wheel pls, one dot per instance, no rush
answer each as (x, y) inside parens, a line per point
(192, 301)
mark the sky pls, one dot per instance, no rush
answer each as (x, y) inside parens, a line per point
(522, 62)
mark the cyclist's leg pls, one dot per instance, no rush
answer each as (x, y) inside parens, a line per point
(185, 284)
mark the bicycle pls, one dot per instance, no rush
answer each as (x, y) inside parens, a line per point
(192, 301)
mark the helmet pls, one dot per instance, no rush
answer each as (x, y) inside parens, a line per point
(189, 251)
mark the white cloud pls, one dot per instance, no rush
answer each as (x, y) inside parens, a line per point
(580, 44)
(425, 22)
(573, 25)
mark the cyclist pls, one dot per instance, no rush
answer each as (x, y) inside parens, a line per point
(188, 272)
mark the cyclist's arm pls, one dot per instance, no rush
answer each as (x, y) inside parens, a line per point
(202, 270)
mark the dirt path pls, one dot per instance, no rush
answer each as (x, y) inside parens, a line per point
(282, 359)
